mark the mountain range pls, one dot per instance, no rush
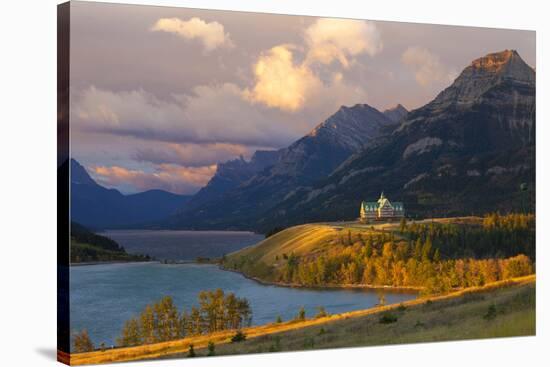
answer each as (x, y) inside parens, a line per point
(241, 192)
(95, 206)
(470, 150)
(467, 151)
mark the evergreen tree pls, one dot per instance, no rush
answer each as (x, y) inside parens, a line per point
(211, 349)
(402, 225)
(418, 249)
(191, 351)
(436, 255)
(427, 249)
(301, 316)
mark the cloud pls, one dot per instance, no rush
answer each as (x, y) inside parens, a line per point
(426, 66)
(279, 82)
(173, 178)
(210, 114)
(341, 39)
(193, 155)
(282, 82)
(211, 35)
(213, 121)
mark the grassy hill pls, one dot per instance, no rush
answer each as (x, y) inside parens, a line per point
(300, 240)
(468, 317)
(304, 241)
(500, 309)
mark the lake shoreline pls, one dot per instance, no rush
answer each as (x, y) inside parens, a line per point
(388, 288)
(179, 347)
(90, 263)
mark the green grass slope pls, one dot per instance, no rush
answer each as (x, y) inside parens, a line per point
(467, 317)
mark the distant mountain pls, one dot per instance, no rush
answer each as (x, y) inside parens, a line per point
(470, 150)
(396, 113)
(95, 206)
(307, 160)
(231, 174)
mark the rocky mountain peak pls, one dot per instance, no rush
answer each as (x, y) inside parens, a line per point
(351, 126)
(396, 113)
(505, 63)
(482, 75)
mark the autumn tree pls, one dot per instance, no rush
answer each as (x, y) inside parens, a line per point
(166, 324)
(147, 325)
(131, 334)
(82, 342)
(162, 321)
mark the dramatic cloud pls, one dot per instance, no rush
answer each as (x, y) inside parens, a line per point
(173, 178)
(341, 39)
(221, 116)
(211, 35)
(280, 83)
(426, 66)
(211, 114)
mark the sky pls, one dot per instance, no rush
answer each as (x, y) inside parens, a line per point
(161, 95)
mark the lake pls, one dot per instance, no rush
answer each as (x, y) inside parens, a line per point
(182, 245)
(104, 296)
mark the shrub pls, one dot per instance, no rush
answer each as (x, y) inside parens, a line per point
(419, 324)
(309, 343)
(211, 349)
(388, 318)
(276, 347)
(491, 313)
(191, 352)
(321, 312)
(238, 337)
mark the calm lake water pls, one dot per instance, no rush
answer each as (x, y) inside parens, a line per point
(183, 245)
(103, 297)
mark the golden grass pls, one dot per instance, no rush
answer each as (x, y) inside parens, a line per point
(302, 240)
(299, 240)
(306, 239)
(181, 346)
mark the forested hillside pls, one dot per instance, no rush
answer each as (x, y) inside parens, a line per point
(87, 246)
(433, 256)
